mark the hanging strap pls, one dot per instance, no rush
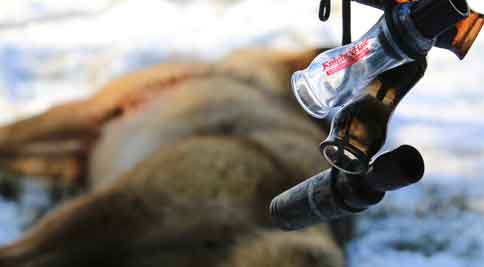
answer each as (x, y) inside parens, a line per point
(325, 12)
(346, 22)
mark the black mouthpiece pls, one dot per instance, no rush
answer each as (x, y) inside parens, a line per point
(396, 169)
(432, 17)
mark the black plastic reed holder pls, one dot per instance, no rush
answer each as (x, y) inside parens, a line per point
(333, 194)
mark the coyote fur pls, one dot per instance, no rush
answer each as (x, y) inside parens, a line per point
(179, 163)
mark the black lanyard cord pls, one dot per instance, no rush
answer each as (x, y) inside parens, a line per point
(325, 12)
(346, 22)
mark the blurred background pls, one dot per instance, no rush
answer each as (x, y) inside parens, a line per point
(54, 51)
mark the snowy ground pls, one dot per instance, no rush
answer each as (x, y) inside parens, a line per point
(50, 53)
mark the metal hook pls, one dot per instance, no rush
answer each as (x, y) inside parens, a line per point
(324, 10)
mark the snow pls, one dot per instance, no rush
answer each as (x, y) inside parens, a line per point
(51, 53)
(16, 216)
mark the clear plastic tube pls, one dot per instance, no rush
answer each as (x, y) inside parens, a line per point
(338, 75)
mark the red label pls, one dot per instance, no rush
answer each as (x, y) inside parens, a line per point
(348, 58)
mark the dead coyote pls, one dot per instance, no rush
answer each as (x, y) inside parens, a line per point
(180, 162)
